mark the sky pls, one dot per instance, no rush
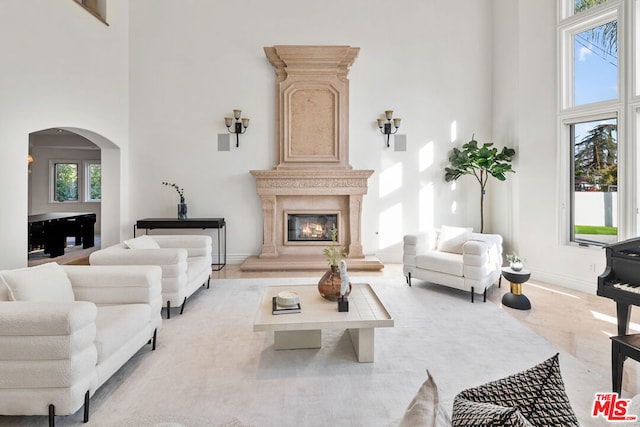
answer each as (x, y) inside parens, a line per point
(595, 71)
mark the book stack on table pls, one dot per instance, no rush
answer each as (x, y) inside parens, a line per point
(289, 309)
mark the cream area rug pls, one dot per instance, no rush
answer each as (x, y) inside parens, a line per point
(211, 369)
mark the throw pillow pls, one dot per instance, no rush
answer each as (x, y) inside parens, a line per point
(46, 282)
(4, 290)
(477, 414)
(423, 409)
(451, 239)
(142, 242)
(538, 393)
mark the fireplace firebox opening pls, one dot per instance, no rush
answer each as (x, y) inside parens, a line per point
(310, 228)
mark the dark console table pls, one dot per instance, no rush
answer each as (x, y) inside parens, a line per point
(192, 223)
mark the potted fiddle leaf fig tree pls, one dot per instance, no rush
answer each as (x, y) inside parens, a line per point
(481, 162)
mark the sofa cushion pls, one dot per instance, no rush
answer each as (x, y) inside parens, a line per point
(451, 239)
(538, 393)
(46, 282)
(117, 324)
(142, 242)
(443, 262)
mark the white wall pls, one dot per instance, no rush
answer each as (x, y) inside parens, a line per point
(61, 67)
(489, 67)
(192, 62)
(527, 208)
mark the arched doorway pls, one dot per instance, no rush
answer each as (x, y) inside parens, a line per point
(85, 151)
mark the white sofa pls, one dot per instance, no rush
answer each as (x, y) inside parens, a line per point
(185, 261)
(65, 330)
(454, 257)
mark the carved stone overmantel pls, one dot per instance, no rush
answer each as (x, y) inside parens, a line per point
(312, 105)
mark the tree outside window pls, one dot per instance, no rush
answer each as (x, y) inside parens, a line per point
(65, 182)
(94, 182)
(595, 181)
(582, 5)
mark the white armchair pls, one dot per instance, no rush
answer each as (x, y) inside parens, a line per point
(454, 257)
(185, 261)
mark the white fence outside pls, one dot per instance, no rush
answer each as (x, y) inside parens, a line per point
(596, 208)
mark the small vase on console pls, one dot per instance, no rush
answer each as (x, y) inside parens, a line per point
(182, 209)
(182, 206)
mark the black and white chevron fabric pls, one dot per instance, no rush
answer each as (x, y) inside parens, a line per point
(535, 397)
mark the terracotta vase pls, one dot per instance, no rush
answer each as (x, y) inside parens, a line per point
(329, 284)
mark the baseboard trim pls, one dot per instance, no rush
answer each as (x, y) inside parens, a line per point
(569, 282)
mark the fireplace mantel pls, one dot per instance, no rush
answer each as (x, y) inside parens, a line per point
(311, 182)
(310, 189)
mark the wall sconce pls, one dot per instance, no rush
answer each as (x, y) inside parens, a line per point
(385, 127)
(239, 127)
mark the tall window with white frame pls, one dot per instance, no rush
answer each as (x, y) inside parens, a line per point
(93, 185)
(595, 181)
(591, 112)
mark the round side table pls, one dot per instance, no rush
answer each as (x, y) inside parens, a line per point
(515, 298)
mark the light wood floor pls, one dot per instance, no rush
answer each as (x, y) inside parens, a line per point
(577, 322)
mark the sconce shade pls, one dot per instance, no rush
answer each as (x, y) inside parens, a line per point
(236, 114)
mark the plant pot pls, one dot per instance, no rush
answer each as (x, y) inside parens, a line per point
(516, 266)
(329, 284)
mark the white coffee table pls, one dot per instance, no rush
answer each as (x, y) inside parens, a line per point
(304, 330)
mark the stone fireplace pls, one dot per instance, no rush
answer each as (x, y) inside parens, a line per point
(313, 180)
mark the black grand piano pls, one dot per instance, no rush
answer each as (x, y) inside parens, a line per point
(620, 281)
